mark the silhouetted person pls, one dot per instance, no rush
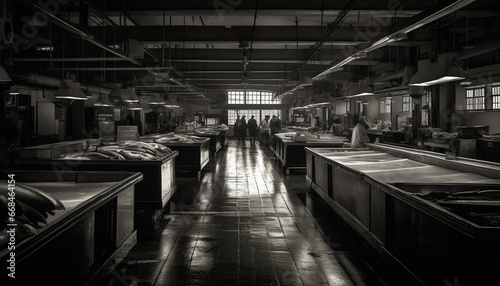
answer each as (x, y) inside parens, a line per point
(237, 127)
(243, 128)
(252, 129)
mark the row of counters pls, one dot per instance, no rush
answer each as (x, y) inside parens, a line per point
(104, 199)
(290, 153)
(437, 219)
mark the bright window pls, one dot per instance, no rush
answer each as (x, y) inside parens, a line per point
(382, 106)
(406, 103)
(211, 121)
(257, 113)
(388, 105)
(475, 98)
(385, 105)
(495, 93)
(251, 97)
(236, 97)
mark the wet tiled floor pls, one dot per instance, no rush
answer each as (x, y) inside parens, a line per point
(244, 223)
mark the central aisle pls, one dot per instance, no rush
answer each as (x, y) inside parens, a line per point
(243, 223)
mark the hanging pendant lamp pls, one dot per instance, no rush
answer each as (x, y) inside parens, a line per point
(444, 70)
(156, 99)
(4, 76)
(103, 101)
(70, 90)
(14, 90)
(133, 106)
(130, 95)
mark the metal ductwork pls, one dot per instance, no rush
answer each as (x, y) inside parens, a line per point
(32, 79)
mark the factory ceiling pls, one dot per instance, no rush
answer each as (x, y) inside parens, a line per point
(191, 47)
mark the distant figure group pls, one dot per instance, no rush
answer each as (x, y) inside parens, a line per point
(264, 129)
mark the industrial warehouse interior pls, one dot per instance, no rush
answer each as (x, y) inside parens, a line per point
(233, 142)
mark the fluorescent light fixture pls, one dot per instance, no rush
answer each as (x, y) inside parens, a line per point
(70, 90)
(423, 18)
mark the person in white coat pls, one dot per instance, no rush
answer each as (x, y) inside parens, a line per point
(359, 134)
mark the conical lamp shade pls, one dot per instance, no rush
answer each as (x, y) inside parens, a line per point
(103, 101)
(130, 95)
(133, 106)
(70, 90)
(14, 90)
(156, 99)
(442, 71)
(4, 76)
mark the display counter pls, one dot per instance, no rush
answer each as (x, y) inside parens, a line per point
(82, 242)
(488, 149)
(223, 137)
(193, 155)
(152, 193)
(215, 140)
(434, 218)
(290, 153)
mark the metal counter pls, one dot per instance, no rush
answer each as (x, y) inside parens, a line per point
(152, 193)
(291, 154)
(383, 194)
(87, 239)
(193, 157)
(215, 140)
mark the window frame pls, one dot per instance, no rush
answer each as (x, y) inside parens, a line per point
(235, 96)
(475, 98)
(495, 97)
(406, 105)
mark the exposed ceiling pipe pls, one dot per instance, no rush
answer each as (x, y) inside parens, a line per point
(37, 80)
(89, 59)
(33, 79)
(89, 38)
(481, 48)
(401, 29)
(325, 37)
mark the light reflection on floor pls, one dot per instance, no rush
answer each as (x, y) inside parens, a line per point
(245, 223)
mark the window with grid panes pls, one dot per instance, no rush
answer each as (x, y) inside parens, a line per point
(259, 114)
(388, 105)
(236, 97)
(251, 97)
(426, 101)
(266, 98)
(475, 98)
(382, 106)
(406, 103)
(495, 94)
(211, 121)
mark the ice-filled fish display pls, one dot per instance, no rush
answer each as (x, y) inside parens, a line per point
(24, 209)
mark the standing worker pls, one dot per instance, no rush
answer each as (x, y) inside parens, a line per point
(237, 127)
(275, 125)
(243, 128)
(359, 134)
(252, 129)
(264, 130)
